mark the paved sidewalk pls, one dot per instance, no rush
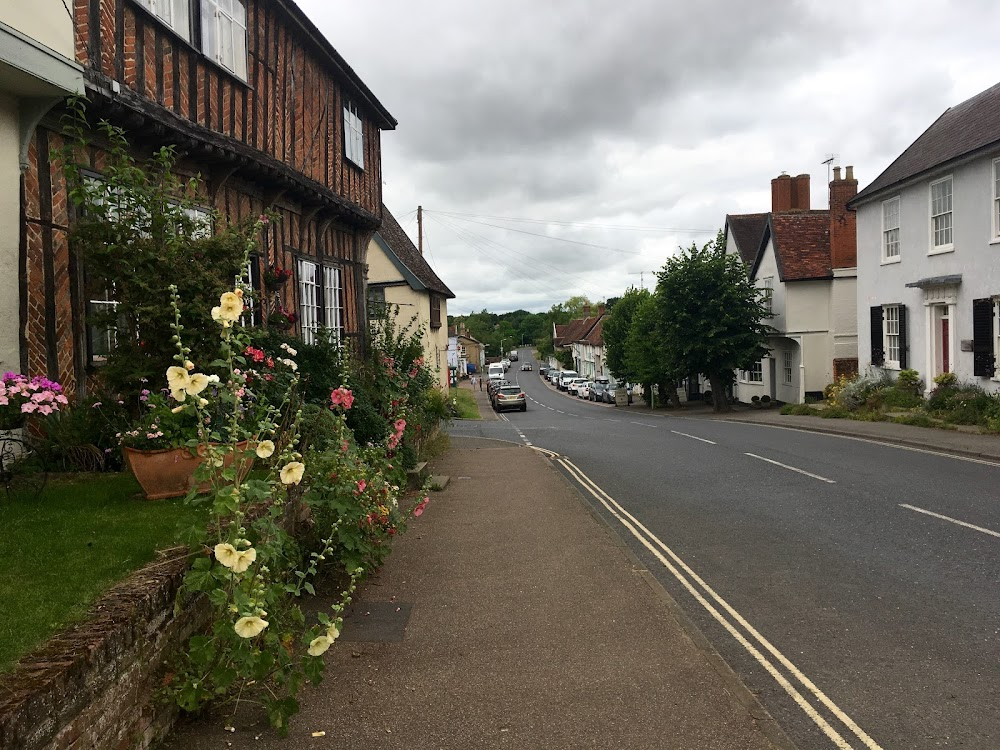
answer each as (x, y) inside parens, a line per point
(510, 616)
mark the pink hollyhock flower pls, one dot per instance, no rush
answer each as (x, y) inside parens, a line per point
(361, 485)
(400, 425)
(344, 446)
(342, 397)
(419, 510)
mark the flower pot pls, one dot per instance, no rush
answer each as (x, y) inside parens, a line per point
(169, 472)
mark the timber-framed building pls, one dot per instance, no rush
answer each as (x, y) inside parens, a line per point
(259, 105)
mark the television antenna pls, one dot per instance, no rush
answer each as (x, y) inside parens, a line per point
(830, 159)
(642, 276)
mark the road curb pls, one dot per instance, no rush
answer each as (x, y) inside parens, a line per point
(733, 684)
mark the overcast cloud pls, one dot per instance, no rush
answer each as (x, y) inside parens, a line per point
(588, 117)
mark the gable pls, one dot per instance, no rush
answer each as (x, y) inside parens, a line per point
(800, 243)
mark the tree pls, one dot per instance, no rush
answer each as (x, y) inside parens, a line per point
(711, 317)
(615, 330)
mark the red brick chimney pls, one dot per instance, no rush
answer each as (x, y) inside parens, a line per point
(600, 310)
(800, 192)
(843, 222)
(781, 193)
(586, 310)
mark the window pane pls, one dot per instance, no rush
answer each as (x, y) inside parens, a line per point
(308, 300)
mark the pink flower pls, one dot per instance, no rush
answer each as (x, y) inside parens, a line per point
(96, 405)
(343, 446)
(28, 406)
(342, 397)
(400, 425)
(419, 510)
(361, 485)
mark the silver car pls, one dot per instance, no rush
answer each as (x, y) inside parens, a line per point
(510, 397)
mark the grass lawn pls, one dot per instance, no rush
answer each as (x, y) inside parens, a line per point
(467, 407)
(60, 551)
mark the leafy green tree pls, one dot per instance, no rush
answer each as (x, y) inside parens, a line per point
(711, 317)
(645, 355)
(615, 330)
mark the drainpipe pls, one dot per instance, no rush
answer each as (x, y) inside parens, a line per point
(802, 369)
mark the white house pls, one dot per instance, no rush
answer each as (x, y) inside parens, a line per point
(399, 276)
(928, 244)
(804, 262)
(38, 69)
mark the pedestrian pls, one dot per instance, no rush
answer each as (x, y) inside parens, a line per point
(473, 378)
(480, 384)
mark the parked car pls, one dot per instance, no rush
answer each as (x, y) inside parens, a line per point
(526, 367)
(564, 377)
(583, 390)
(543, 371)
(506, 364)
(597, 390)
(510, 397)
(574, 383)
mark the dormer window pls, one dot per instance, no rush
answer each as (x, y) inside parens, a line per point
(224, 34)
(354, 135)
(174, 13)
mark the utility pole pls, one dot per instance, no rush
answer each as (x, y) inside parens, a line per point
(642, 277)
(420, 229)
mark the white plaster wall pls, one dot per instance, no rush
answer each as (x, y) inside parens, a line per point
(844, 315)
(10, 218)
(46, 21)
(808, 306)
(976, 257)
(380, 268)
(768, 267)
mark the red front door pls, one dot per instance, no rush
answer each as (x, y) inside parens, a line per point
(945, 346)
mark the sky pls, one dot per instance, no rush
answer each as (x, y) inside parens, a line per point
(568, 147)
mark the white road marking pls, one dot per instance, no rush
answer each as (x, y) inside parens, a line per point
(951, 520)
(644, 424)
(987, 462)
(648, 539)
(694, 437)
(790, 468)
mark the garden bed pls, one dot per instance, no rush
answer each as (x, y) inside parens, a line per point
(465, 402)
(65, 548)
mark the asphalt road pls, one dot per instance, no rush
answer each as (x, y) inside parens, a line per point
(811, 563)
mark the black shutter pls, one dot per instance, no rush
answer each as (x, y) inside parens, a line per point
(903, 342)
(983, 356)
(878, 347)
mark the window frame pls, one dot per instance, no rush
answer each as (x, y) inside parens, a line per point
(787, 367)
(767, 294)
(996, 201)
(887, 336)
(164, 10)
(435, 311)
(314, 303)
(755, 375)
(213, 27)
(354, 134)
(946, 247)
(886, 229)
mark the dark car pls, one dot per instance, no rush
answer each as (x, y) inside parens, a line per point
(597, 390)
(510, 397)
(543, 371)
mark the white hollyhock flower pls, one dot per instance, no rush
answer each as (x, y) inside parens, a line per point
(226, 554)
(318, 646)
(249, 627)
(265, 449)
(197, 383)
(244, 559)
(291, 473)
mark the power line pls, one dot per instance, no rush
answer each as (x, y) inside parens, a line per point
(624, 227)
(546, 236)
(562, 273)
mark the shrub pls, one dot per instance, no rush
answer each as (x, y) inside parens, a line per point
(900, 398)
(909, 380)
(835, 412)
(854, 394)
(970, 404)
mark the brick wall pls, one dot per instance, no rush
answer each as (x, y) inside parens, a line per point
(95, 685)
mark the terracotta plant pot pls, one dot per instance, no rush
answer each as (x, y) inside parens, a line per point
(169, 472)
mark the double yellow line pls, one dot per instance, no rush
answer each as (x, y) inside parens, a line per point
(777, 664)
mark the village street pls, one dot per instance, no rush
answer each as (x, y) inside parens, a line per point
(851, 585)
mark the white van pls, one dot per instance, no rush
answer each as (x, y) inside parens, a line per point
(495, 371)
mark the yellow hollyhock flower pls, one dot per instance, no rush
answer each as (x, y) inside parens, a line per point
(249, 627)
(244, 559)
(197, 383)
(333, 633)
(265, 449)
(318, 646)
(226, 554)
(178, 378)
(291, 473)
(230, 306)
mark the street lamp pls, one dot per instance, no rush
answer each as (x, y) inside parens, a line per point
(502, 339)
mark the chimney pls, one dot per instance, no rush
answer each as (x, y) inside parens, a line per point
(843, 222)
(600, 310)
(800, 192)
(586, 310)
(781, 193)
